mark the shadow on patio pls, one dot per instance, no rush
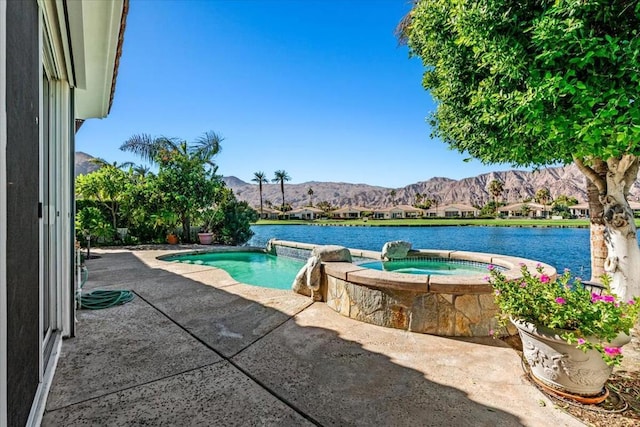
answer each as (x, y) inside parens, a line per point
(197, 348)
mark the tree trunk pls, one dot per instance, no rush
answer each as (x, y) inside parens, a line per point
(186, 229)
(622, 264)
(597, 224)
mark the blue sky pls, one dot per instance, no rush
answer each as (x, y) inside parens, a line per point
(318, 88)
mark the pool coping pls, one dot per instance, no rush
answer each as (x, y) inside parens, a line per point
(445, 305)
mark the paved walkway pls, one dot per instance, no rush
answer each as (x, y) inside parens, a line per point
(197, 348)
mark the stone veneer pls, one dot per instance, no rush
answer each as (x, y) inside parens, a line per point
(460, 306)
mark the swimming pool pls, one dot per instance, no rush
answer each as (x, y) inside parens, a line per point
(252, 268)
(435, 267)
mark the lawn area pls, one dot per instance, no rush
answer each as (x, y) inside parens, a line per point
(438, 222)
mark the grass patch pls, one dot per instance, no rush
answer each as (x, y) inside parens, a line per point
(437, 222)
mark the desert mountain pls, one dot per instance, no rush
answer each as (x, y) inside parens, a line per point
(518, 185)
(83, 163)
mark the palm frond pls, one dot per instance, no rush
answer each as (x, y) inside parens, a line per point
(208, 146)
(147, 147)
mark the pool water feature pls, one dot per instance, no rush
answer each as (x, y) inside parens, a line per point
(428, 267)
(252, 268)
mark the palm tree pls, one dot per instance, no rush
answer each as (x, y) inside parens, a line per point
(310, 193)
(281, 176)
(207, 147)
(543, 197)
(418, 201)
(496, 187)
(148, 148)
(260, 178)
(103, 163)
(140, 172)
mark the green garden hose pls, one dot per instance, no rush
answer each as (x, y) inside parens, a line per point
(99, 299)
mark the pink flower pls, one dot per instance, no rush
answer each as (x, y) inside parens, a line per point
(497, 291)
(545, 279)
(613, 351)
(491, 331)
(522, 264)
(581, 341)
(523, 284)
(486, 278)
(595, 297)
(631, 302)
(490, 267)
(609, 298)
(561, 300)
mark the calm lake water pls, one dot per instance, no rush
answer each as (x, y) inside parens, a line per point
(559, 247)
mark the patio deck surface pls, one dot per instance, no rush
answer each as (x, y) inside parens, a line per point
(195, 347)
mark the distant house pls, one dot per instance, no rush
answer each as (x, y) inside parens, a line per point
(268, 213)
(526, 209)
(350, 212)
(58, 67)
(397, 212)
(454, 210)
(307, 212)
(581, 210)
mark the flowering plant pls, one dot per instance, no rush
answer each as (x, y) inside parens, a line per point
(590, 320)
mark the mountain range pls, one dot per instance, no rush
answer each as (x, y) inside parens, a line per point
(518, 185)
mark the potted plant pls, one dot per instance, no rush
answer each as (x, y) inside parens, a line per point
(167, 221)
(210, 218)
(571, 337)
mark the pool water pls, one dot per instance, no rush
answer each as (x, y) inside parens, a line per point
(252, 268)
(430, 267)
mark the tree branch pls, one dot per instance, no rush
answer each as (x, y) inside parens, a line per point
(591, 175)
(631, 171)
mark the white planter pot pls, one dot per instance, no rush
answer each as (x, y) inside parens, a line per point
(562, 366)
(205, 238)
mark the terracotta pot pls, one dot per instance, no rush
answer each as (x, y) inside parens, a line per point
(172, 239)
(205, 238)
(562, 366)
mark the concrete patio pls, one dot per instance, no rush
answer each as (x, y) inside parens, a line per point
(195, 347)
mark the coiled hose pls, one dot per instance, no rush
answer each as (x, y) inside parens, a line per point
(99, 299)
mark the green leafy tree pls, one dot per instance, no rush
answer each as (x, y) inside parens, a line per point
(260, 178)
(107, 186)
(538, 83)
(325, 206)
(281, 176)
(236, 224)
(91, 223)
(565, 200)
(186, 179)
(561, 206)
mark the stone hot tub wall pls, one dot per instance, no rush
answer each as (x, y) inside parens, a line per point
(440, 305)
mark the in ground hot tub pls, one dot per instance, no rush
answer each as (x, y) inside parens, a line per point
(428, 266)
(432, 303)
